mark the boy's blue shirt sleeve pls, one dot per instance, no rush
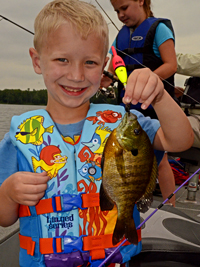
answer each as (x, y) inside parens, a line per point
(8, 158)
(150, 126)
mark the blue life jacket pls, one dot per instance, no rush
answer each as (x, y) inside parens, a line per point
(139, 49)
(67, 227)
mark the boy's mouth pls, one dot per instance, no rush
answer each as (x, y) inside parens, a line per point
(73, 89)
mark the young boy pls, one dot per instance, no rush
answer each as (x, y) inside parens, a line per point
(51, 177)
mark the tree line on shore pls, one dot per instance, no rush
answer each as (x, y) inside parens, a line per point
(24, 97)
(39, 97)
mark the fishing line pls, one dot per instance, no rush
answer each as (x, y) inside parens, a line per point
(106, 15)
(157, 75)
(148, 217)
(140, 62)
(16, 24)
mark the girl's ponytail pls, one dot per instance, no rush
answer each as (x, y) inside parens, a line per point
(147, 8)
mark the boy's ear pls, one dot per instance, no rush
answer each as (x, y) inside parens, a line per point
(35, 60)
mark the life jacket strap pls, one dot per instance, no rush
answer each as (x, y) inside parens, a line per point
(68, 244)
(27, 243)
(62, 203)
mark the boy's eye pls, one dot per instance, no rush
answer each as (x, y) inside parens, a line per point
(90, 62)
(62, 60)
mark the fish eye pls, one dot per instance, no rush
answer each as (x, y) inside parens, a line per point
(92, 171)
(136, 131)
(95, 141)
(114, 114)
(84, 170)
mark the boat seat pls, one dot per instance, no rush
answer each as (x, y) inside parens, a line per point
(190, 156)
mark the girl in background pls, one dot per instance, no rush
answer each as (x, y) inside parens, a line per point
(146, 41)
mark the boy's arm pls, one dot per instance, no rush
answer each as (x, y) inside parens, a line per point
(24, 188)
(175, 133)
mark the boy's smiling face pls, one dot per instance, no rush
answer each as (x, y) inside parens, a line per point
(71, 67)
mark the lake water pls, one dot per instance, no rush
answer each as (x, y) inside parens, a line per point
(8, 111)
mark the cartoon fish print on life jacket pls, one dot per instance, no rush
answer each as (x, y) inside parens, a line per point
(91, 171)
(98, 140)
(107, 116)
(32, 130)
(72, 141)
(50, 161)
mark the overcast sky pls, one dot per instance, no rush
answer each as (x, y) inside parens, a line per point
(15, 65)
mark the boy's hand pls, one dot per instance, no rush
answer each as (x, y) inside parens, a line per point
(26, 188)
(143, 86)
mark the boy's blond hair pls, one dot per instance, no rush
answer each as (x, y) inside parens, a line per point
(83, 16)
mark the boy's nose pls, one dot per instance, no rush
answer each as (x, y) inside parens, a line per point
(76, 73)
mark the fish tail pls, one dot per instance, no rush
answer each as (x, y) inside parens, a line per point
(93, 119)
(119, 231)
(35, 163)
(131, 232)
(50, 129)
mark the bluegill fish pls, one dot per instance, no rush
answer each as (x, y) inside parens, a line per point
(32, 130)
(129, 174)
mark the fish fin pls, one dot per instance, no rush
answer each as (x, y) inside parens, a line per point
(131, 232)
(33, 133)
(91, 178)
(49, 129)
(35, 163)
(39, 118)
(144, 203)
(38, 142)
(119, 231)
(105, 202)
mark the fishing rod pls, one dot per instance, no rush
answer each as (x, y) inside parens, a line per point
(16, 24)
(142, 223)
(106, 15)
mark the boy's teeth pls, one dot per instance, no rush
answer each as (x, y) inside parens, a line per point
(72, 90)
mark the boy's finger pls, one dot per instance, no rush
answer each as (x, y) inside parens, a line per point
(36, 178)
